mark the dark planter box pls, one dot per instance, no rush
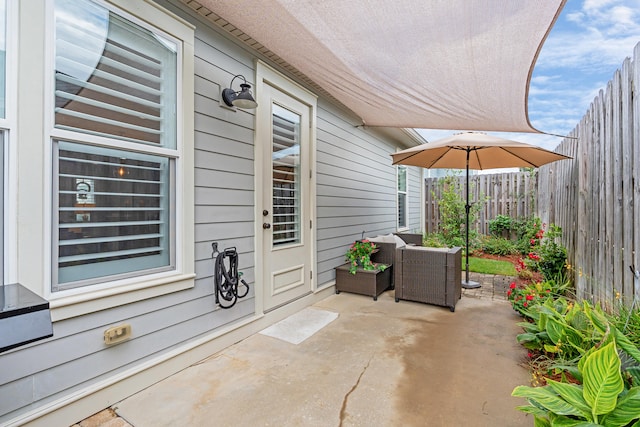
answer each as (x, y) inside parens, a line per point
(365, 282)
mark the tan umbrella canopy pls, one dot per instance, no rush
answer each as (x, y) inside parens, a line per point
(475, 150)
(484, 152)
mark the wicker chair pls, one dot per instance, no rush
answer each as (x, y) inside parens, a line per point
(428, 275)
(387, 251)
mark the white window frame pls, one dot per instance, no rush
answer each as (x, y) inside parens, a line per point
(8, 234)
(103, 144)
(406, 197)
(36, 224)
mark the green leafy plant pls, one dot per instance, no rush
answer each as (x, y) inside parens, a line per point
(434, 240)
(498, 246)
(500, 224)
(560, 329)
(359, 255)
(523, 298)
(601, 399)
(453, 213)
(544, 253)
(526, 230)
(523, 270)
(553, 256)
(627, 319)
(559, 332)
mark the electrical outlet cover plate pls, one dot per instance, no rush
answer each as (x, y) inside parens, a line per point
(117, 334)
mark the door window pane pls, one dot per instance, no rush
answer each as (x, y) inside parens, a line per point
(286, 176)
(113, 77)
(113, 212)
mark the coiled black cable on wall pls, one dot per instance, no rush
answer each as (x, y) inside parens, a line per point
(226, 277)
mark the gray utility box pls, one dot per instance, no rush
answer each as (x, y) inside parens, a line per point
(24, 317)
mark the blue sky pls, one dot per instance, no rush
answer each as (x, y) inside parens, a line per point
(588, 43)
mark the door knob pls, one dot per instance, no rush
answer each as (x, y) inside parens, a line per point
(266, 225)
(265, 212)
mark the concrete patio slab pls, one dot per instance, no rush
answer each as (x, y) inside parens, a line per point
(379, 363)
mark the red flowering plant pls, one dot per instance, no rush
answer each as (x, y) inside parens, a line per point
(359, 255)
(523, 297)
(531, 262)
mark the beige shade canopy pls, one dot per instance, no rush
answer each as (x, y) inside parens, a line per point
(454, 64)
(485, 152)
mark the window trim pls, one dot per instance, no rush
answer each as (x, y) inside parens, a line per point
(8, 128)
(406, 197)
(82, 300)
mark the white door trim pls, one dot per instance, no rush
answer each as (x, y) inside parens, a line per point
(265, 75)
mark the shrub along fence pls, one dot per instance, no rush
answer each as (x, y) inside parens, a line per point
(595, 197)
(512, 194)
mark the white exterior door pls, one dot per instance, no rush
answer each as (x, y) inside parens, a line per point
(285, 213)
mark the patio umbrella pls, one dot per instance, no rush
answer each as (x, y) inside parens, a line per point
(475, 150)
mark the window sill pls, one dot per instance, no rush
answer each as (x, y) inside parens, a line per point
(78, 305)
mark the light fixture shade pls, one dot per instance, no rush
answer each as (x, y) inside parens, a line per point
(242, 99)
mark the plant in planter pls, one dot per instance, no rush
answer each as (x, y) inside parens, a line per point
(359, 255)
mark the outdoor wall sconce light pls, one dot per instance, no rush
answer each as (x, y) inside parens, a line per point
(242, 99)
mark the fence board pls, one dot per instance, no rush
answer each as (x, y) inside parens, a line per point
(635, 155)
(607, 143)
(626, 141)
(616, 159)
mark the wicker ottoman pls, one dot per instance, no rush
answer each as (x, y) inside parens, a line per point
(365, 282)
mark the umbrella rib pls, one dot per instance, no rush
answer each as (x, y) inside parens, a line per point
(415, 154)
(475, 150)
(470, 149)
(520, 157)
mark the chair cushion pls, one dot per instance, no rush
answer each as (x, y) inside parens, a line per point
(428, 248)
(388, 238)
(398, 241)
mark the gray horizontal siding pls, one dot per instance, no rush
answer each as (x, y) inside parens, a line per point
(356, 188)
(356, 192)
(76, 357)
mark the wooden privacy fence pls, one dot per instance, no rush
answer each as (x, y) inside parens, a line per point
(595, 197)
(512, 194)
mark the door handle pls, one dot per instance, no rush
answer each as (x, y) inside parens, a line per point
(266, 225)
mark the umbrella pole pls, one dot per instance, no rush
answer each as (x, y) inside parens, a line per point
(468, 284)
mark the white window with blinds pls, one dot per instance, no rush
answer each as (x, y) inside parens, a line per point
(402, 197)
(113, 77)
(114, 145)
